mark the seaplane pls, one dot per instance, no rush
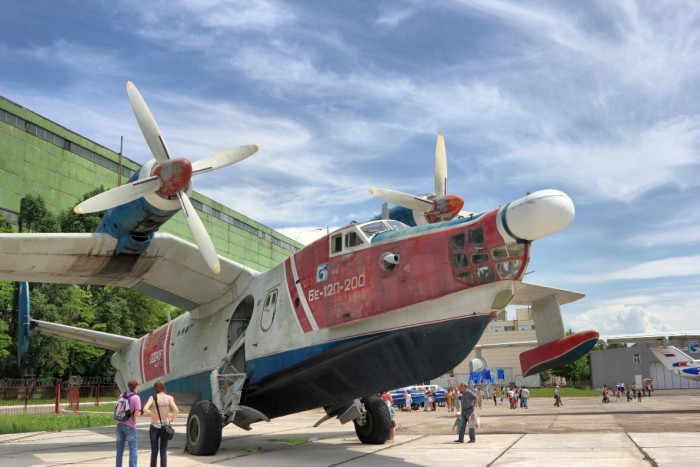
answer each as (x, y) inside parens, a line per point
(369, 307)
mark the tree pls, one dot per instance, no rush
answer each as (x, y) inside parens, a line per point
(34, 216)
(578, 370)
(5, 226)
(6, 307)
(6, 295)
(69, 221)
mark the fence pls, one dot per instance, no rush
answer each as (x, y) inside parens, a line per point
(19, 396)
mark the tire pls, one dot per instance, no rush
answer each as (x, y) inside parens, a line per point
(204, 429)
(377, 422)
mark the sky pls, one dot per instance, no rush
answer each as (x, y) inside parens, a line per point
(599, 99)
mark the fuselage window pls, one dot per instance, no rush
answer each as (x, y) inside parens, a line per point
(465, 276)
(508, 251)
(457, 242)
(480, 258)
(508, 269)
(485, 275)
(476, 236)
(459, 261)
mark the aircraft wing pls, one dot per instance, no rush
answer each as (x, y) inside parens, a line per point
(171, 269)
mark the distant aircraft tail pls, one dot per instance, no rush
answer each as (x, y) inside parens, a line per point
(673, 358)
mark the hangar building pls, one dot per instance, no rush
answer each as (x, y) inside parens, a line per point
(635, 364)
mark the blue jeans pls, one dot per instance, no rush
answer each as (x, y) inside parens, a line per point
(462, 426)
(126, 433)
(153, 433)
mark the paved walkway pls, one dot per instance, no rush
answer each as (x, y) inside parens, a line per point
(661, 431)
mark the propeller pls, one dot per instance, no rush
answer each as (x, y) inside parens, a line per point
(169, 177)
(436, 207)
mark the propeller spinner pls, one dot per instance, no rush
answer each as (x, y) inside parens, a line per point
(169, 178)
(436, 208)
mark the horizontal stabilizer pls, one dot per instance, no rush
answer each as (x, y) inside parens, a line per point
(528, 294)
(87, 336)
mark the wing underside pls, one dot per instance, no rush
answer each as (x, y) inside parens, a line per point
(170, 270)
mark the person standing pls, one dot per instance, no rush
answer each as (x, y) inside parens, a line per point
(449, 401)
(557, 397)
(524, 396)
(468, 404)
(409, 400)
(392, 430)
(164, 404)
(126, 429)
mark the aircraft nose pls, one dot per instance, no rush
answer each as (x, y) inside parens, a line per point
(538, 214)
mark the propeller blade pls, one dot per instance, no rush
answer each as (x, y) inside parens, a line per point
(224, 158)
(119, 195)
(147, 123)
(440, 166)
(404, 200)
(201, 237)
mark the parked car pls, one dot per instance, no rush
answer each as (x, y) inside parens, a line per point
(418, 395)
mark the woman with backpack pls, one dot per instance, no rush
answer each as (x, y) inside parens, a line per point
(166, 411)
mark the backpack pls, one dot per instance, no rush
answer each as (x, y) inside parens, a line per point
(122, 411)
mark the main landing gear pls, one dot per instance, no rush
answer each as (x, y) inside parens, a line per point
(203, 429)
(374, 425)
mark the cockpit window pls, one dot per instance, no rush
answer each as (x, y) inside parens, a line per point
(373, 228)
(396, 225)
(352, 239)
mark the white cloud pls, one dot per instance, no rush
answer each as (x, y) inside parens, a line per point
(619, 319)
(681, 266)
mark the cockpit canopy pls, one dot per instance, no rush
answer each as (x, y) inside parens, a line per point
(358, 236)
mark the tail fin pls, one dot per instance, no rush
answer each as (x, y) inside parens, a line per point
(672, 357)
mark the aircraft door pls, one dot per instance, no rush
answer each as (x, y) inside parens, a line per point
(236, 331)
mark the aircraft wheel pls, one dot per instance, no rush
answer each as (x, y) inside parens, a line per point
(204, 429)
(374, 426)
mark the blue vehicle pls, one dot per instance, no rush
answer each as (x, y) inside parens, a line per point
(418, 395)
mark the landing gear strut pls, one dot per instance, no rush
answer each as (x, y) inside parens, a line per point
(375, 423)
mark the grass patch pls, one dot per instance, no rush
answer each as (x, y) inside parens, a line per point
(292, 441)
(565, 392)
(27, 423)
